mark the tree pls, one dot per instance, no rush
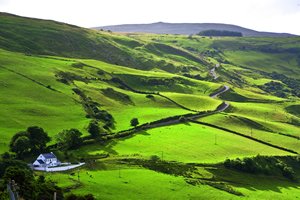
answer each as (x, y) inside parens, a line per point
(69, 139)
(41, 178)
(21, 144)
(15, 137)
(16, 174)
(38, 137)
(134, 122)
(154, 158)
(94, 129)
(6, 155)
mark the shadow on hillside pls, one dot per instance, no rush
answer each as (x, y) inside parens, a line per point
(254, 182)
(113, 124)
(142, 132)
(108, 146)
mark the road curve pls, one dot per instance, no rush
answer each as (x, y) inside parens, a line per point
(220, 92)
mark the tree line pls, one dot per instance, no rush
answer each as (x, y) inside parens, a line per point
(213, 32)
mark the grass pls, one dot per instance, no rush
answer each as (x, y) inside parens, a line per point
(195, 102)
(25, 102)
(262, 116)
(106, 184)
(281, 63)
(153, 63)
(183, 143)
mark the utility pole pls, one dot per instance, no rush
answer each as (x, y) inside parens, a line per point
(251, 131)
(162, 155)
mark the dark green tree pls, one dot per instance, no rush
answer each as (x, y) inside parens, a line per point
(134, 122)
(41, 179)
(6, 155)
(21, 145)
(38, 137)
(69, 139)
(94, 129)
(16, 174)
(15, 137)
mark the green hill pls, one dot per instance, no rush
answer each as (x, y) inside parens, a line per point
(59, 76)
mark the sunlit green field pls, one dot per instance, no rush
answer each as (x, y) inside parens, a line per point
(136, 183)
(183, 143)
(195, 102)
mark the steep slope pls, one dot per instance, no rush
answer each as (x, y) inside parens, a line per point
(44, 37)
(187, 29)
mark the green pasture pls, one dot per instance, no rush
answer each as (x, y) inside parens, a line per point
(269, 62)
(140, 183)
(260, 81)
(258, 116)
(181, 85)
(134, 183)
(183, 143)
(136, 106)
(257, 186)
(195, 102)
(25, 102)
(247, 95)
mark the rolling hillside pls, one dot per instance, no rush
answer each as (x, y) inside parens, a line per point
(187, 29)
(59, 76)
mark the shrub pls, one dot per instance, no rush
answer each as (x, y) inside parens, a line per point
(288, 172)
(149, 96)
(182, 119)
(227, 163)
(154, 158)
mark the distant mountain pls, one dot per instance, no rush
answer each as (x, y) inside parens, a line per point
(187, 29)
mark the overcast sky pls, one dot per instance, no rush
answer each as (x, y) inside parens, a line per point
(261, 15)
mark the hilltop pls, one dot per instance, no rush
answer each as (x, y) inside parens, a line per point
(187, 29)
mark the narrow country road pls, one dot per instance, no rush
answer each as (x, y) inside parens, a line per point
(197, 116)
(220, 92)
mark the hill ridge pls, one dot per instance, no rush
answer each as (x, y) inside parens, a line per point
(188, 29)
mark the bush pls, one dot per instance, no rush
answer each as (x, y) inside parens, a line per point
(182, 119)
(154, 158)
(288, 172)
(149, 96)
(6, 155)
(227, 163)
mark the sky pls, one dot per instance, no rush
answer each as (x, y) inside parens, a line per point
(280, 16)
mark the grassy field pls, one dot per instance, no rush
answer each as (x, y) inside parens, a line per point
(68, 72)
(195, 102)
(102, 179)
(106, 184)
(183, 143)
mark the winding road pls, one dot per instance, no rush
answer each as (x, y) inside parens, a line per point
(220, 92)
(201, 115)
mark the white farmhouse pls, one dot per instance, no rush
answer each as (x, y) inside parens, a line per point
(46, 160)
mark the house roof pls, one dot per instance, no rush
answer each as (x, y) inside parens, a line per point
(49, 155)
(41, 162)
